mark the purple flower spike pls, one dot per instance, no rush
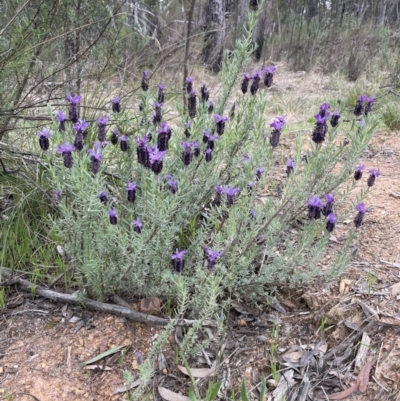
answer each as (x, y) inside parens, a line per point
(131, 189)
(161, 93)
(253, 213)
(95, 157)
(230, 195)
(73, 107)
(328, 208)
(137, 226)
(116, 105)
(256, 82)
(277, 125)
(320, 129)
(331, 221)
(323, 109)
(44, 136)
(259, 172)
(213, 256)
(358, 172)
(123, 143)
(173, 185)
(245, 83)
(196, 147)
(208, 154)
(219, 190)
(113, 216)
(145, 81)
(372, 175)
(58, 194)
(157, 117)
(187, 154)
(101, 125)
(61, 118)
(361, 209)
(315, 206)
(155, 158)
(289, 167)
(188, 127)
(192, 104)
(66, 150)
(220, 122)
(246, 158)
(114, 137)
(205, 94)
(73, 99)
(269, 76)
(102, 120)
(210, 108)
(177, 260)
(369, 103)
(335, 119)
(189, 84)
(103, 197)
(359, 108)
(139, 358)
(81, 126)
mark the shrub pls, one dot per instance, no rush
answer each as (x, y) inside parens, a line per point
(154, 204)
(390, 115)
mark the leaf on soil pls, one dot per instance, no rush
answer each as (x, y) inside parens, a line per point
(103, 345)
(198, 373)
(123, 389)
(395, 289)
(100, 367)
(245, 310)
(169, 395)
(363, 377)
(345, 393)
(103, 355)
(344, 286)
(292, 356)
(286, 382)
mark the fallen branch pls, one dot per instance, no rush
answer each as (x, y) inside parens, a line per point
(128, 313)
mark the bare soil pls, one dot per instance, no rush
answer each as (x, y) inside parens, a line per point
(43, 345)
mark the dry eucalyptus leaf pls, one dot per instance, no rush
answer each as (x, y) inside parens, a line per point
(292, 356)
(169, 395)
(363, 377)
(344, 286)
(395, 289)
(100, 367)
(198, 373)
(345, 393)
(123, 389)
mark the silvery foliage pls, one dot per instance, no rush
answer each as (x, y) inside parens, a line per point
(113, 258)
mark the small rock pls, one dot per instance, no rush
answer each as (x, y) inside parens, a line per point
(394, 195)
(151, 306)
(242, 322)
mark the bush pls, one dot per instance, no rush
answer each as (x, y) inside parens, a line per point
(390, 115)
(240, 244)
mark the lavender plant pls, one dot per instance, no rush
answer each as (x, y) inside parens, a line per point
(133, 217)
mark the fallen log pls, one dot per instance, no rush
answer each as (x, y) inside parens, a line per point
(9, 277)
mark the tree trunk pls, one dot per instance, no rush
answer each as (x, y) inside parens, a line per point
(381, 12)
(215, 34)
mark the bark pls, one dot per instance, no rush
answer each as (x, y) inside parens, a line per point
(215, 34)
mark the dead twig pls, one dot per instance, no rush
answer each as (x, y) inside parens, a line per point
(73, 299)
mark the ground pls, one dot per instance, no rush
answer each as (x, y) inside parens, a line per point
(316, 332)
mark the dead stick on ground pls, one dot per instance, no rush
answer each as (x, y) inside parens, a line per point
(128, 313)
